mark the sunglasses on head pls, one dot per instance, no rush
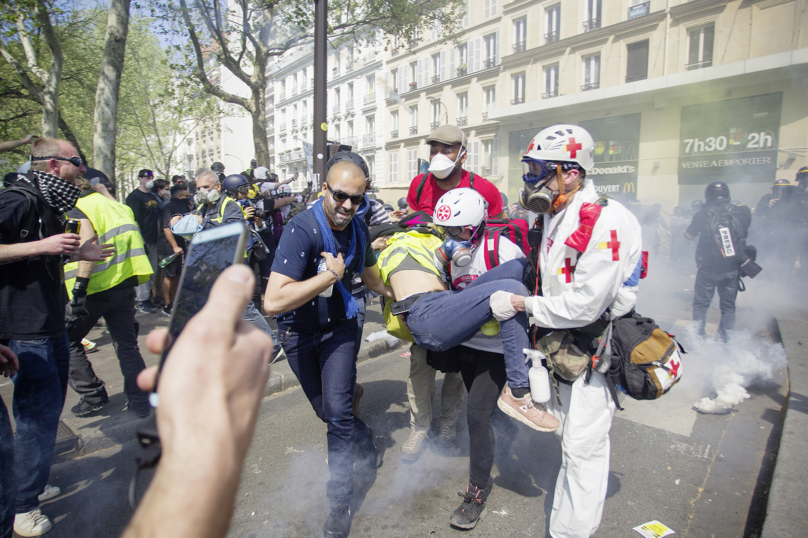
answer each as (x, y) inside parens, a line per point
(340, 196)
(75, 161)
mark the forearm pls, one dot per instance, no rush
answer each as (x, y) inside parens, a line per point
(170, 237)
(374, 282)
(85, 269)
(11, 144)
(294, 294)
(20, 251)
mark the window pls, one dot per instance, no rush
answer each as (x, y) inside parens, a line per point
(462, 59)
(637, 61)
(350, 129)
(462, 109)
(438, 62)
(414, 76)
(473, 159)
(413, 120)
(294, 114)
(490, 51)
(489, 100)
(349, 103)
(370, 124)
(550, 81)
(520, 35)
(395, 80)
(371, 162)
(294, 84)
(412, 163)
(553, 16)
(336, 63)
(436, 30)
(464, 22)
(489, 8)
(336, 100)
(370, 88)
(336, 132)
(518, 89)
(393, 160)
(700, 47)
(491, 157)
(591, 73)
(436, 113)
(394, 123)
(593, 15)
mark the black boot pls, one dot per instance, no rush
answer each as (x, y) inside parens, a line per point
(471, 510)
(338, 524)
(367, 455)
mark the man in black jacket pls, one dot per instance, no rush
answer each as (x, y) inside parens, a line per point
(718, 264)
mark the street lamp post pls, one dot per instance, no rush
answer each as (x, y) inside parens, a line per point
(239, 160)
(320, 130)
(443, 105)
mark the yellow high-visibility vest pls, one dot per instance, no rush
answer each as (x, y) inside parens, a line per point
(114, 223)
(421, 246)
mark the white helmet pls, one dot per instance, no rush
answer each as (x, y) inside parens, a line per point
(285, 190)
(261, 172)
(563, 143)
(460, 207)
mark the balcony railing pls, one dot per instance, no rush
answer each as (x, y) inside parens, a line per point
(639, 10)
(335, 110)
(435, 79)
(434, 125)
(394, 52)
(393, 95)
(413, 86)
(283, 127)
(551, 37)
(462, 121)
(485, 116)
(519, 47)
(414, 43)
(369, 140)
(518, 100)
(548, 95)
(414, 130)
(348, 105)
(370, 98)
(591, 86)
(488, 63)
(698, 65)
(462, 71)
(592, 24)
(394, 134)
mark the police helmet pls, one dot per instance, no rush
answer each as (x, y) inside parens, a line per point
(779, 188)
(388, 208)
(348, 156)
(802, 174)
(234, 182)
(402, 203)
(716, 190)
(217, 167)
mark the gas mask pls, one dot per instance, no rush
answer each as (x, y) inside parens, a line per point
(207, 196)
(537, 195)
(457, 252)
(442, 166)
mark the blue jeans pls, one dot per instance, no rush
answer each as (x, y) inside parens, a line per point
(706, 284)
(252, 316)
(443, 320)
(325, 365)
(360, 319)
(8, 481)
(40, 387)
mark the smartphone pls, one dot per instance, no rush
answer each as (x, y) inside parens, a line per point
(209, 253)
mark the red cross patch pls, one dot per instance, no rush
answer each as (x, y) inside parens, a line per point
(567, 270)
(614, 244)
(443, 213)
(572, 147)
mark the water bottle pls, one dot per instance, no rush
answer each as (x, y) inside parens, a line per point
(322, 269)
(538, 376)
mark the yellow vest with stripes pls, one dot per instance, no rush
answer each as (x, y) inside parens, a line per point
(114, 223)
(225, 200)
(421, 246)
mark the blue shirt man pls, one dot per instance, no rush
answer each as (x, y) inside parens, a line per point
(321, 248)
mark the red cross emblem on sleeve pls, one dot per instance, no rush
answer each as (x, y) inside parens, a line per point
(614, 244)
(572, 147)
(443, 212)
(567, 270)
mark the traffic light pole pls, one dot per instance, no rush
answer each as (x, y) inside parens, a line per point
(320, 130)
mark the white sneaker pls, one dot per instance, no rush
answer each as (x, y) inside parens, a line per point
(49, 493)
(33, 523)
(414, 446)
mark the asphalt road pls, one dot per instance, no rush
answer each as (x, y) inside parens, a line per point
(701, 475)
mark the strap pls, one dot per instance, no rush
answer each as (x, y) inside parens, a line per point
(471, 179)
(420, 190)
(492, 248)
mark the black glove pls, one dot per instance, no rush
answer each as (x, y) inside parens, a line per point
(78, 306)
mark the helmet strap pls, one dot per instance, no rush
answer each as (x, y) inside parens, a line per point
(562, 197)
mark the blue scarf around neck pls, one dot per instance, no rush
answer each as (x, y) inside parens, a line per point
(357, 240)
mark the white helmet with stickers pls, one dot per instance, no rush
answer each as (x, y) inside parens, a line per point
(460, 207)
(563, 143)
(285, 190)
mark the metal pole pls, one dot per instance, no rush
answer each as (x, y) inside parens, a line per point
(320, 130)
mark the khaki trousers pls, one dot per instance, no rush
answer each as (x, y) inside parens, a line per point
(421, 392)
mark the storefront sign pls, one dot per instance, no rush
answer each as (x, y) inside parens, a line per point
(616, 155)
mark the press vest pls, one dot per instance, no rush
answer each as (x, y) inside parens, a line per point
(225, 200)
(421, 246)
(114, 223)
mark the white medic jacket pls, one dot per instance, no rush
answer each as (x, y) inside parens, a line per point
(578, 286)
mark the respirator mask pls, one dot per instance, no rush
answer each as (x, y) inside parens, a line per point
(149, 184)
(537, 195)
(457, 252)
(442, 166)
(207, 196)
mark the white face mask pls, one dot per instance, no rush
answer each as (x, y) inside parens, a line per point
(209, 196)
(149, 184)
(442, 166)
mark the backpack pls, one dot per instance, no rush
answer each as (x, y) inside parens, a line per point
(515, 230)
(424, 177)
(725, 229)
(645, 363)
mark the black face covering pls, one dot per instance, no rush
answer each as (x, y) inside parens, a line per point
(61, 195)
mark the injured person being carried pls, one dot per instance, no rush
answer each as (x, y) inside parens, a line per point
(444, 295)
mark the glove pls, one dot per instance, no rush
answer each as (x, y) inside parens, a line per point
(78, 306)
(500, 302)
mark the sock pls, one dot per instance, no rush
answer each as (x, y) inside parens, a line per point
(520, 393)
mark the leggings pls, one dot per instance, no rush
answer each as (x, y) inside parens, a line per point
(484, 376)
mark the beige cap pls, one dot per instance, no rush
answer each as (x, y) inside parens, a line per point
(447, 134)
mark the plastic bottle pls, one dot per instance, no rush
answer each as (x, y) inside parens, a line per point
(322, 269)
(165, 261)
(490, 327)
(538, 376)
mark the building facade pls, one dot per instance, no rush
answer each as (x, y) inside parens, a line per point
(676, 94)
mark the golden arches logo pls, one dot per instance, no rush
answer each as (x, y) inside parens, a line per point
(629, 187)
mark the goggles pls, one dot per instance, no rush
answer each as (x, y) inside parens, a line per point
(534, 171)
(75, 161)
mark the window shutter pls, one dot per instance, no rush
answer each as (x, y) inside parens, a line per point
(403, 70)
(495, 158)
(452, 71)
(486, 9)
(637, 61)
(475, 156)
(477, 56)
(497, 46)
(709, 34)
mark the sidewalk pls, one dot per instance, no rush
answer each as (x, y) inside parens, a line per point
(786, 516)
(112, 426)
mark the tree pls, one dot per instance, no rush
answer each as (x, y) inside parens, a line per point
(243, 38)
(109, 84)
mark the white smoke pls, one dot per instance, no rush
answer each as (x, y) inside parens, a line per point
(745, 361)
(383, 335)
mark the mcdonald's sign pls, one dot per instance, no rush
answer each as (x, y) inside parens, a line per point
(629, 186)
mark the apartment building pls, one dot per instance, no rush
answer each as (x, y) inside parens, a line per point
(676, 94)
(355, 106)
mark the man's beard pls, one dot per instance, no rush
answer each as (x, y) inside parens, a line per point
(338, 217)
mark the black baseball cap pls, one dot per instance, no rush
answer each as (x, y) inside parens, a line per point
(145, 172)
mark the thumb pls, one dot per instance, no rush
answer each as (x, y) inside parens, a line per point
(339, 256)
(229, 296)
(92, 240)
